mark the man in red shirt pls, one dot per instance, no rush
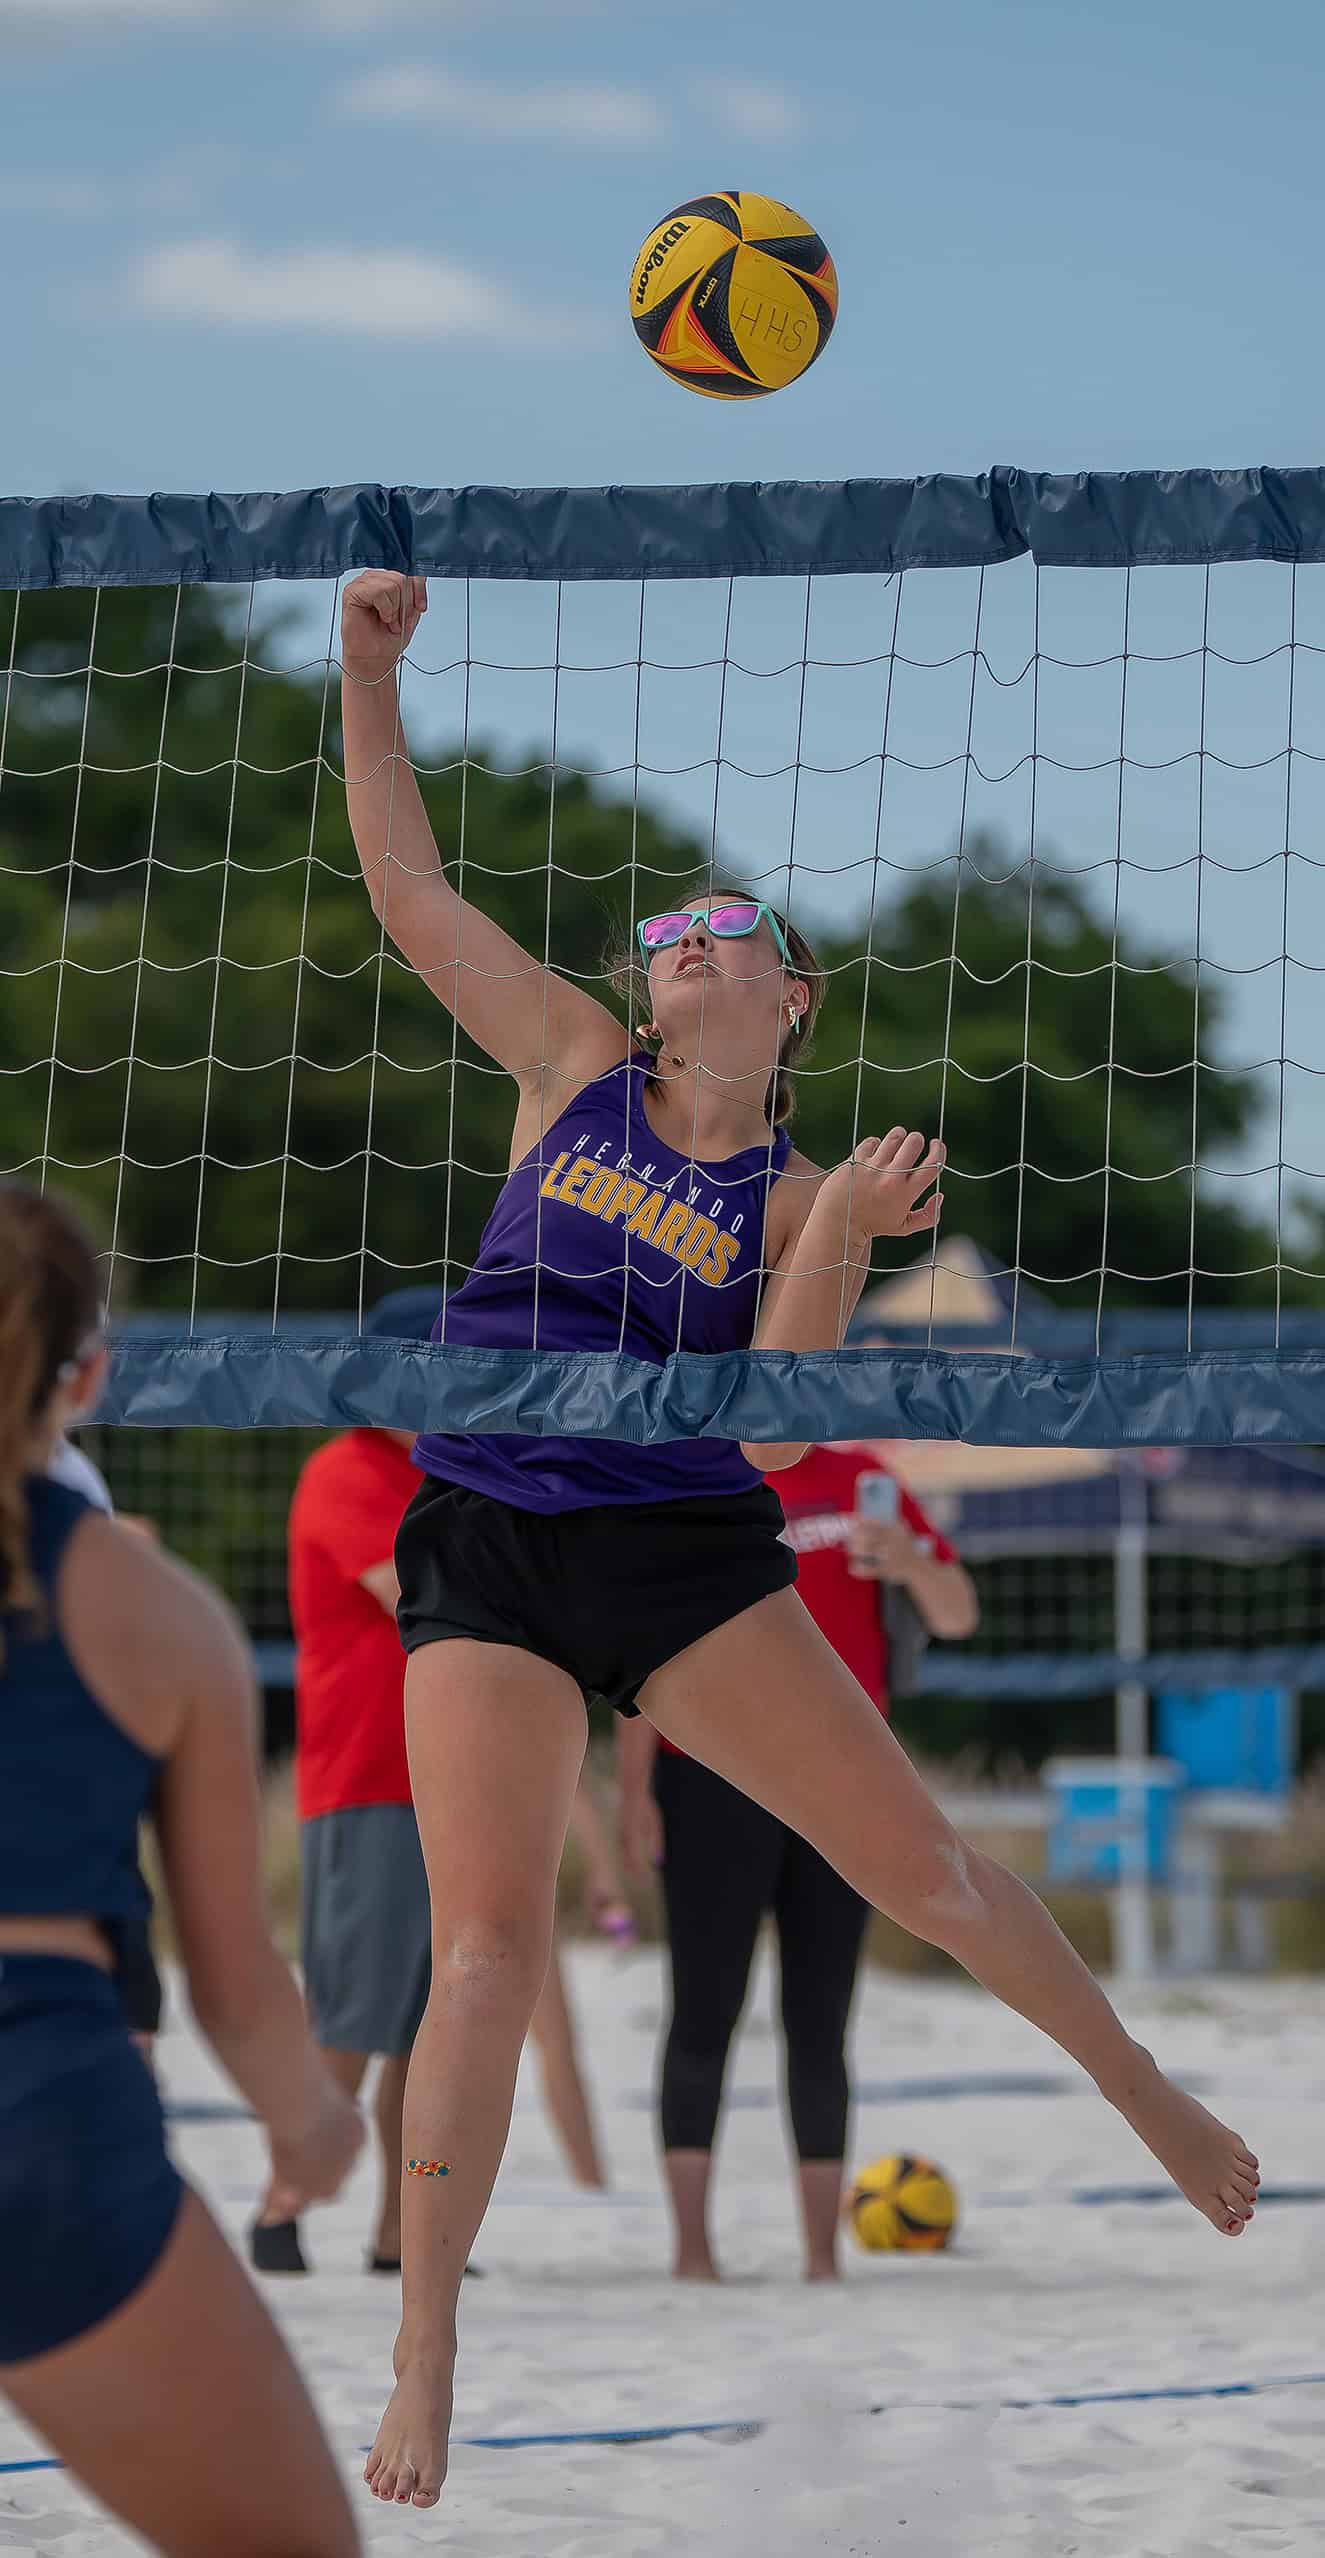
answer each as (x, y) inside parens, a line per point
(725, 1861)
(365, 1914)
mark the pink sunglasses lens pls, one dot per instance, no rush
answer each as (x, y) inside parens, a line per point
(733, 919)
(661, 929)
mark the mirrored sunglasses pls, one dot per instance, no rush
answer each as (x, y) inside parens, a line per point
(730, 921)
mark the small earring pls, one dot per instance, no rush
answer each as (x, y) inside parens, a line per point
(793, 1018)
(648, 1034)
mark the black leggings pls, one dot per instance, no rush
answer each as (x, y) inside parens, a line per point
(725, 1862)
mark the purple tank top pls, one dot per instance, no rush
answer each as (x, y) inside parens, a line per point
(604, 1238)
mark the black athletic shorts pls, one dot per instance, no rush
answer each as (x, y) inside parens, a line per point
(607, 1594)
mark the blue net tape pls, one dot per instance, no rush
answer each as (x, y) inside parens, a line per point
(237, 1382)
(1019, 1676)
(1068, 1675)
(1081, 519)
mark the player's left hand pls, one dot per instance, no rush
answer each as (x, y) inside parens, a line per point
(881, 1187)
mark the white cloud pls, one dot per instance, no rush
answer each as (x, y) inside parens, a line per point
(596, 114)
(396, 296)
(587, 112)
(754, 114)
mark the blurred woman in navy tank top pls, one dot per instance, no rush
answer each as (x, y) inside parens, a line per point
(654, 1204)
(129, 2335)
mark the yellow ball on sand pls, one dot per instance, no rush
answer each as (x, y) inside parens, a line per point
(902, 2203)
(733, 295)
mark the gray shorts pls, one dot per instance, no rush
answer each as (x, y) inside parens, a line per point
(366, 1928)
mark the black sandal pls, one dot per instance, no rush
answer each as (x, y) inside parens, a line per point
(274, 2247)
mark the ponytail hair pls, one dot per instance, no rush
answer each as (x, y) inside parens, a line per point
(629, 978)
(49, 1307)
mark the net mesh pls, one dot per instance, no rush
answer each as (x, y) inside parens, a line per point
(1050, 830)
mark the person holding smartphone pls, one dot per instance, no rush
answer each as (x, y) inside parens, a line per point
(866, 1554)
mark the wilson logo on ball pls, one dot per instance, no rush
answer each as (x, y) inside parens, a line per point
(746, 305)
(675, 231)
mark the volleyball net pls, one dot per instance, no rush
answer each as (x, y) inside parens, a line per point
(1037, 763)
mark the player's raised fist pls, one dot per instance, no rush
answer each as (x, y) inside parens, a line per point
(379, 615)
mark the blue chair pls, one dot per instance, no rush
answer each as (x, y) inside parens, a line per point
(1237, 1748)
(1103, 1807)
(1230, 1740)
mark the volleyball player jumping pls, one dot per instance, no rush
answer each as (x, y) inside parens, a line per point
(129, 2335)
(654, 1204)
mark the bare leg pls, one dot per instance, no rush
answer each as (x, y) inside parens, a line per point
(163, 2409)
(564, 2093)
(495, 1743)
(744, 1699)
(688, 2175)
(821, 2211)
(388, 2110)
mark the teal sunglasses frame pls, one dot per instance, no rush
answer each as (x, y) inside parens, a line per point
(700, 915)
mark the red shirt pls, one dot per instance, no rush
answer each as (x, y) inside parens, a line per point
(350, 1672)
(818, 1495)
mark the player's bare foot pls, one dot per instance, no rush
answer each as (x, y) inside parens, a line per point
(1209, 2163)
(407, 2464)
(695, 2265)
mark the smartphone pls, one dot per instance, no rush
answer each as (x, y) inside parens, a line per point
(877, 1498)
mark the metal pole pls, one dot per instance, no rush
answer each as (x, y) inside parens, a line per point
(1134, 1937)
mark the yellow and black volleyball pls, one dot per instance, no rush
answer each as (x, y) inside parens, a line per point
(904, 2203)
(734, 295)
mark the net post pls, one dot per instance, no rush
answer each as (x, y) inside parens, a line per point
(1133, 1913)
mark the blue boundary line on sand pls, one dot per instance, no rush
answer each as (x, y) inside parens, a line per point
(749, 2426)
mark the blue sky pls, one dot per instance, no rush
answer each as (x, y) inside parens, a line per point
(277, 243)
(263, 243)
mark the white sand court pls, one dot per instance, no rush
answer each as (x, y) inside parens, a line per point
(1066, 2282)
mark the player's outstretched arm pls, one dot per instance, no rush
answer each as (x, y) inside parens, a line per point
(527, 1017)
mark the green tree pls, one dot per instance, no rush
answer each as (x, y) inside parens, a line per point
(275, 1121)
(207, 1037)
(1067, 1095)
